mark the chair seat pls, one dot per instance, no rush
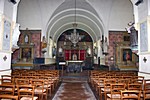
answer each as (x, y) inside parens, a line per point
(114, 96)
(39, 91)
(106, 89)
(29, 98)
(8, 97)
(147, 96)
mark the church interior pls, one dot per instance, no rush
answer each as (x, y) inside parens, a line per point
(74, 49)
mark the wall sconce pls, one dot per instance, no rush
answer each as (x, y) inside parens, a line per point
(111, 58)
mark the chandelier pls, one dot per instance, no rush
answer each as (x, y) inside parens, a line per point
(74, 37)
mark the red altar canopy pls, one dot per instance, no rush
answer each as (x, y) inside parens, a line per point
(81, 54)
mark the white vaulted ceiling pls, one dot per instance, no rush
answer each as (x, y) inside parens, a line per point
(96, 17)
(86, 18)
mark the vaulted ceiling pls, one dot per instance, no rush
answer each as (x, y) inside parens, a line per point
(86, 18)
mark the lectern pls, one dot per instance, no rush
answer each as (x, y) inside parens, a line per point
(63, 64)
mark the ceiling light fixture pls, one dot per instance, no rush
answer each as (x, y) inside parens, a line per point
(74, 37)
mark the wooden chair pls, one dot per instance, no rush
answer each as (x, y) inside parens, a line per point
(39, 88)
(22, 81)
(99, 84)
(48, 85)
(7, 81)
(146, 90)
(130, 94)
(26, 92)
(137, 81)
(107, 86)
(124, 81)
(7, 89)
(115, 91)
(8, 97)
(135, 86)
(138, 77)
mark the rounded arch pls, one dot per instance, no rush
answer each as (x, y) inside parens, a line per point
(86, 18)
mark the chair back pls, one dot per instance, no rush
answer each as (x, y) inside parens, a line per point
(26, 92)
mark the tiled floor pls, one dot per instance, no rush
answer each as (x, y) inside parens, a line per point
(73, 86)
(74, 91)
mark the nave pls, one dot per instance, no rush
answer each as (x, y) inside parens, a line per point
(74, 86)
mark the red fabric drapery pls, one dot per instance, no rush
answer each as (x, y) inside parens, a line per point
(81, 54)
(67, 54)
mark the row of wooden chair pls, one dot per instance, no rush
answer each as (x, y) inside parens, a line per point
(24, 92)
(104, 86)
(41, 84)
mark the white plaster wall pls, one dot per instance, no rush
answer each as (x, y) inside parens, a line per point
(35, 14)
(8, 9)
(146, 75)
(148, 7)
(7, 63)
(143, 10)
(50, 61)
(144, 66)
(1, 6)
(115, 14)
(6, 72)
(121, 15)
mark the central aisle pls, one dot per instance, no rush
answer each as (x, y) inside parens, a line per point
(74, 91)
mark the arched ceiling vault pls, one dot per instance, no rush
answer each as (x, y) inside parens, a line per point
(86, 18)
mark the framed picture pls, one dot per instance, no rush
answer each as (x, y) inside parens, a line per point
(126, 38)
(126, 55)
(26, 53)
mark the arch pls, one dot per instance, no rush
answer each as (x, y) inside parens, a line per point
(63, 18)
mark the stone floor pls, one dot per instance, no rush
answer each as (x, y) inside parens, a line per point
(73, 86)
(74, 91)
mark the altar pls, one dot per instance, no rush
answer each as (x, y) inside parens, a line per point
(74, 65)
(74, 61)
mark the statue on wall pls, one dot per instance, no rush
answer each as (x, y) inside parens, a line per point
(26, 39)
(15, 36)
(53, 51)
(89, 52)
(44, 45)
(133, 36)
(105, 46)
(60, 51)
(74, 56)
(44, 42)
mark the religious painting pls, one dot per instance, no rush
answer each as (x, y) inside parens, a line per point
(26, 53)
(126, 55)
